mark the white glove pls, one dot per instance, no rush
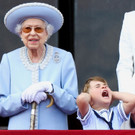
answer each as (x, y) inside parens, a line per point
(45, 86)
(40, 96)
(29, 94)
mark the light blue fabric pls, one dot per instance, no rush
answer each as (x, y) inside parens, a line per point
(42, 11)
(15, 78)
(91, 121)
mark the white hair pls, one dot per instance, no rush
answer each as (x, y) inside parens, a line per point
(49, 28)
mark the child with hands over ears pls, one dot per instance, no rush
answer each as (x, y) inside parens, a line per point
(94, 105)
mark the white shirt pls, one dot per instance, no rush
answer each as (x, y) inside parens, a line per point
(91, 121)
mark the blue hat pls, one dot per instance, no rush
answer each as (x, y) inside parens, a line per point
(38, 10)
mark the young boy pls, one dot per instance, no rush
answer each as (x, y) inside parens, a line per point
(94, 105)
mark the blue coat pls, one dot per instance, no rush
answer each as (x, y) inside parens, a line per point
(17, 73)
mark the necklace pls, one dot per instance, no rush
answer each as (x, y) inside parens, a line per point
(42, 56)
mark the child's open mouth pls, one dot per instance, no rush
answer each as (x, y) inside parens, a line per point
(105, 93)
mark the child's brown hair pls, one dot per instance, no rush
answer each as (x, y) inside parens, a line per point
(94, 78)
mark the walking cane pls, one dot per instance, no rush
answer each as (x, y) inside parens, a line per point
(33, 111)
(33, 115)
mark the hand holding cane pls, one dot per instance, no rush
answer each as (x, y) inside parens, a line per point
(46, 87)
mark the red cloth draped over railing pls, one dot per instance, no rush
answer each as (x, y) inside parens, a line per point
(67, 132)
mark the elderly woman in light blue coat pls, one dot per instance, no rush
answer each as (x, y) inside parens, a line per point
(30, 73)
